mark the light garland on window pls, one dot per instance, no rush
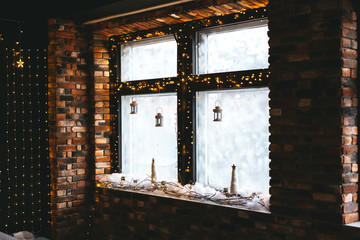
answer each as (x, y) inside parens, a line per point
(185, 84)
(237, 80)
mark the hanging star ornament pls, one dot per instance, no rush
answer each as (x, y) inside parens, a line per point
(20, 63)
(1, 37)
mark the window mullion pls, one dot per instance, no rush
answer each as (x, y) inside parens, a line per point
(115, 120)
(185, 107)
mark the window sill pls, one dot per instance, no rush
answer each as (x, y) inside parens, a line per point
(354, 224)
(199, 201)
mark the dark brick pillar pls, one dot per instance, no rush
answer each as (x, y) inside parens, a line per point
(101, 97)
(70, 136)
(349, 105)
(313, 110)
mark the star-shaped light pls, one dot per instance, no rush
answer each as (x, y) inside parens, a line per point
(20, 63)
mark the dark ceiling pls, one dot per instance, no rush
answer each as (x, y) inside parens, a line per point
(81, 10)
(31, 16)
(40, 10)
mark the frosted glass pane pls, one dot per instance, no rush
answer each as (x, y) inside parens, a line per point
(142, 141)
(149, 59)
(241, 138)
(235, 48)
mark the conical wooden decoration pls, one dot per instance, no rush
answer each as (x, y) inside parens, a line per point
(153, 171)
(233, 185)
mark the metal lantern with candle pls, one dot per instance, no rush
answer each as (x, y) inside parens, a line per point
(159, 117)
(217, 111)
(133, 107)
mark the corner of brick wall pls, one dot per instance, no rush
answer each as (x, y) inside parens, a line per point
(349, 110)
(101, 97)
(313, 110)
(70, 135)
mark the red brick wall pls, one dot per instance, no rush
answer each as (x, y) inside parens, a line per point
(129, 215)
(313, 110)
(101, 104)
(313, 91)
(79, 124)
(349, 108)
(70, 135)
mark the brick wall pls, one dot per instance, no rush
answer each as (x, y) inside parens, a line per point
(70, 135)
(79, 124)
(313, 143)
(101, 104)
(349, 106)
(313, 110)
(129, 215)
(313, 91)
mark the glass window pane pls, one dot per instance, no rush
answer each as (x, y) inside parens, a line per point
(241, 138)
(233, 48)
(149, 59)
(142, 141)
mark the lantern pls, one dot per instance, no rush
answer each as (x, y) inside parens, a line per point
(217, 112)
(133, 107)
(159, 118)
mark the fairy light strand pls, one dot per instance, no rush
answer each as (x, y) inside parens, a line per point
(23, 159)
(31, 145)
(16, 143)
(8, 190)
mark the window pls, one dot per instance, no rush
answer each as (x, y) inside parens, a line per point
(183, 75)
(142, 140)
(232, 48)
(149, 59)
(241, 138)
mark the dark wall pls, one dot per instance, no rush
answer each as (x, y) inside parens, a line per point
(34, 33)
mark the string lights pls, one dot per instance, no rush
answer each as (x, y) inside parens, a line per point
(18, 52)
(186, 83)
(7, 178)
(25, 180)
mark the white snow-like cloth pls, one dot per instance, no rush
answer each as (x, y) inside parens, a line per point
(4, 236)
(253, 201)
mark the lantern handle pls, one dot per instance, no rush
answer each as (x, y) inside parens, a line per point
(218, 101)
(161, 110)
